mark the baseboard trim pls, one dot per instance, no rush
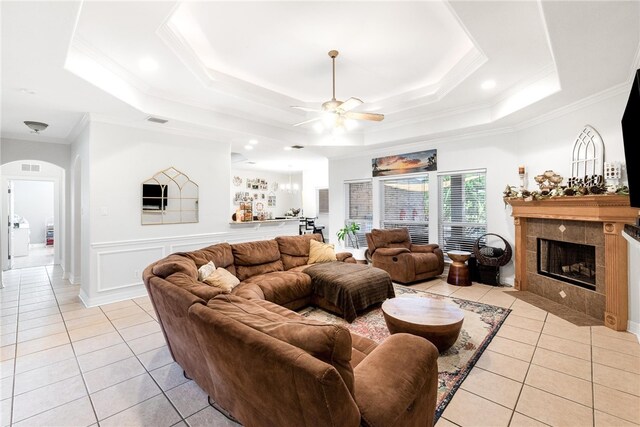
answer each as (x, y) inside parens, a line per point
(137, 292)
(634, 328)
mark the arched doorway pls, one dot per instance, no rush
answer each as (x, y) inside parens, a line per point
(34, 233)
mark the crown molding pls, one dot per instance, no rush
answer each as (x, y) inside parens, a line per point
(78, 128)
(574, 106)
(34, 138)
(171, 130)
(420, 142)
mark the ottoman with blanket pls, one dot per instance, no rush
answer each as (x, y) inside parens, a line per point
(345, 289)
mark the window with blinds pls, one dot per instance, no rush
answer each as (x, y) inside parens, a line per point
(359, 204)
(405, 203)
(463, 210)
(323, 201)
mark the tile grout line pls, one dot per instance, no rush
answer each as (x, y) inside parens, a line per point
(75, 358)
(15, 354)
(515, 406)
(146, 372)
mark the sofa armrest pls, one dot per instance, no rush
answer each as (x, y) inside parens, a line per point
(396, 384)
(342, 256)
(391, 251)
(424, 248)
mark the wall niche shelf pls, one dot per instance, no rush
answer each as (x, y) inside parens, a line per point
(169, 197)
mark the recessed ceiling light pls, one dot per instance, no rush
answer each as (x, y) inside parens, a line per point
(253, 141)
(318, 127)
(488, 84)
(147, 64)
(287, 148)
(248, 147)
(27, 91)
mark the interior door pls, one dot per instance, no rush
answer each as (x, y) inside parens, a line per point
(10, 203)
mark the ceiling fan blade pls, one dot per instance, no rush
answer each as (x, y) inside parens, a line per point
(315, 110)
(350, 104)
(307, 121)
(364, 116)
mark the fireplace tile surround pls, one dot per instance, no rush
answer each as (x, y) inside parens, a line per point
(597, 220)
(582, 232)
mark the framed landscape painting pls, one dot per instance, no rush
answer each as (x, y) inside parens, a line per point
(420, 161)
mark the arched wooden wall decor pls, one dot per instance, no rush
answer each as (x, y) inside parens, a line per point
(169, 197)
(588, 154)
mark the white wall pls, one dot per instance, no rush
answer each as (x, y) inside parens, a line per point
(114, 161)
(545, 145)
(634, 285)
(284, 200)
(33, 200)
(314, 178)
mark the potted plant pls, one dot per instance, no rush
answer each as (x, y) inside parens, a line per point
(347, 234)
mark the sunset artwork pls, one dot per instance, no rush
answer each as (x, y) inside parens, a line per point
(421, 161)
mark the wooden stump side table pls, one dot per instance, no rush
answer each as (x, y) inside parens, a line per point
(458, 270)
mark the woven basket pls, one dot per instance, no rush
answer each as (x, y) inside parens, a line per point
(498, 261)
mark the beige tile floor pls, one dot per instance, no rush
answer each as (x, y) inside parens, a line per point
(64, 364)
(39, 255)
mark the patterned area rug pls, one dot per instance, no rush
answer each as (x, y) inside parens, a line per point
(481, 323)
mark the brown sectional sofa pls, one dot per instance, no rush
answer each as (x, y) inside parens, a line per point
(266, 365)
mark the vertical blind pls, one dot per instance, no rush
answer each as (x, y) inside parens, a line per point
(405, 203)
(360, 207)
(463, 210)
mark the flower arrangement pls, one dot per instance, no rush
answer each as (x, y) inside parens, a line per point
(510, 192)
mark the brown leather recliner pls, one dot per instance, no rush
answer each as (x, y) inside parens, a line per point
(392, 250)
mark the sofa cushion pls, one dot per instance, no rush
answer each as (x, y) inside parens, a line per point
(282, 287)
(254, 258)
(294, 250)
(329, 343)
(175, 264)
(391, 238)
(321, 252)
(220, 254)
(425, 262)
(189, 284)
(221, 278)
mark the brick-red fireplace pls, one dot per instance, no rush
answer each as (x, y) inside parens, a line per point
(590, 221)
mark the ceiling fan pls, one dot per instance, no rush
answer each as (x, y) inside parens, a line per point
(335, 111)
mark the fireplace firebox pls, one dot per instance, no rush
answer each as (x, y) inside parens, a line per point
(570, 262)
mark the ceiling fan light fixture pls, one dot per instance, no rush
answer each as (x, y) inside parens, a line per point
(36, 127)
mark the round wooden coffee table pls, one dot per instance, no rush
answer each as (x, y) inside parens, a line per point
(436, 320)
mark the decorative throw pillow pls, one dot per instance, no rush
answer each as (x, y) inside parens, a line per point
(206, 270)
(221, 278)
(321, 252)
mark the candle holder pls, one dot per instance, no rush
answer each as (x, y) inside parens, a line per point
(521, 174)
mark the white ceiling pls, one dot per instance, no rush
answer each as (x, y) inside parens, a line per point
(232, 70)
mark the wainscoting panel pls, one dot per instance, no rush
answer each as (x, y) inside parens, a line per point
(119, 264)
(121, 268)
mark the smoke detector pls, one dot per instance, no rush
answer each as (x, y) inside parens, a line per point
(36, 127)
